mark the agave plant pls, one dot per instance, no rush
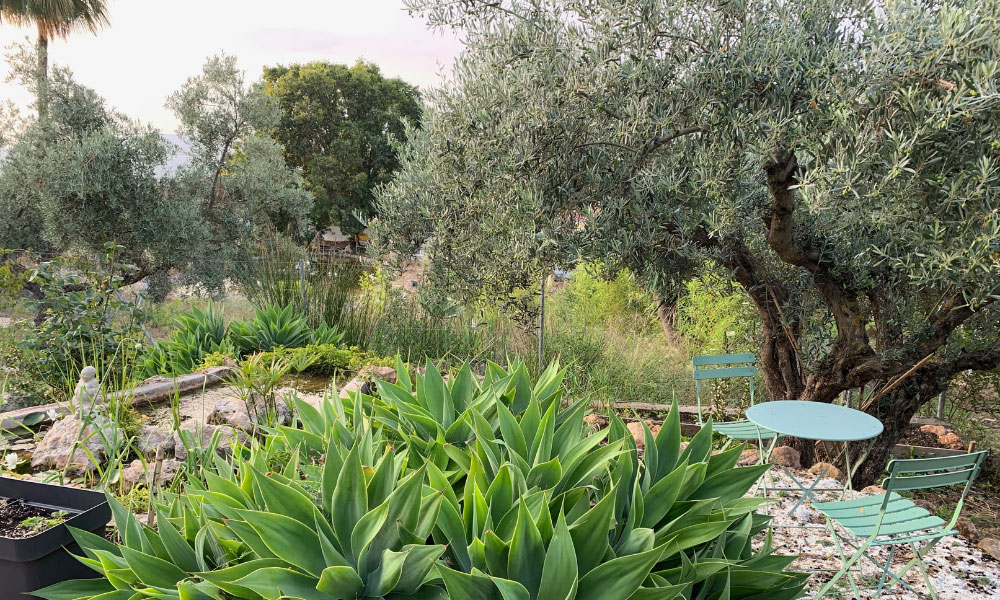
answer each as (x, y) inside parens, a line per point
(272, 327)
(673, 526)
(354, 526)
(198, 333)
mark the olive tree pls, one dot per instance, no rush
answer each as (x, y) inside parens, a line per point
(837, 157)
(88, 175)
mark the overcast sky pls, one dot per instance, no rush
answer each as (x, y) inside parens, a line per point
(151, 48)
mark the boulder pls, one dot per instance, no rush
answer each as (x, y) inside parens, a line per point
(151, 438)
(966, 528)
(201, 434)
(951, 440)
(139, 473)
(990, 546)
(594, 421)
(59, 447)
(748, 457)
(937, 430)
(639, 434)
(873, 490)
(827, 470)
(372, 372)
(353, 385)
(786, 456)
(233, 412)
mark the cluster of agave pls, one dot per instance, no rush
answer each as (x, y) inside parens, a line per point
(466, 489)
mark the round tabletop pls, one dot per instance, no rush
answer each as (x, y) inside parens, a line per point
(815, 420)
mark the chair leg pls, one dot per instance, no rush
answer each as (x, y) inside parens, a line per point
(845, 569)
(918, 556)
(923, 570)
(885, 571)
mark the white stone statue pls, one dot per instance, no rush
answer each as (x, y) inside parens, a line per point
(88, 391)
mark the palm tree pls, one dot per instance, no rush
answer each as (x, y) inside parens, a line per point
(53, 19)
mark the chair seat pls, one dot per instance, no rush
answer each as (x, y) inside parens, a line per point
(859, 516)
(744, 430)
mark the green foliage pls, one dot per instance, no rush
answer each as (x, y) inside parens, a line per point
(717, 318)
(272, 327)
(202, 339)
(337, 124)
(826, 157)
(86, 321)
(359, 503)
(87, 174)
(593, 296)
(273, 277)
(328, 359)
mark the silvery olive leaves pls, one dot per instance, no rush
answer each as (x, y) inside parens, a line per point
(450, 487)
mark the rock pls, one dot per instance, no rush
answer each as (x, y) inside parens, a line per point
(937, 430)
(786, 456)
(371, 373)
(353, 385)
(639, 434)
(88, 391)
(951, 440)
(873, 490)
(990, 546)
(748, 457)
(137, 472)
(54, 452)
(151, 437)
(826, 469)
(594, 421)
(966, 528)
(233, 412)
(230, 411)
(201, 434)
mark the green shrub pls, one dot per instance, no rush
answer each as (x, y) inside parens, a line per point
(590, 299)
(86, 321)
(329, 358)
(716, 317)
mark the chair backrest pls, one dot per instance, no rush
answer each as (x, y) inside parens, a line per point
(925, 473)
(723, 366)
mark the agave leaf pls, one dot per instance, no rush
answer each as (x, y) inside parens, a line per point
(618, 578)
(559, 573)
(75, 589)
(180, 552)
(151, 570)
(468, 586)
(527, 552)
(350, 499)
(590, 534)
(289, 539)
(340, 582)
(417, 564)
(274, 583)
(729, 484)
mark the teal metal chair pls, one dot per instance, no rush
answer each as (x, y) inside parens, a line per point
(732, 366)
(891, 520)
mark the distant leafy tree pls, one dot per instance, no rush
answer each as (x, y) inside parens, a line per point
(52, 18)
(840, 163)
(337, 124)
(87, 176)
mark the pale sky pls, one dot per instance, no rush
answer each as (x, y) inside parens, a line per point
(151, 48)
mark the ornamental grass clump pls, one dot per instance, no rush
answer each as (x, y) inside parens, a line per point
(385, 497)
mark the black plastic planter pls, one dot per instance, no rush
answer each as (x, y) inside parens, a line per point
(41, 560)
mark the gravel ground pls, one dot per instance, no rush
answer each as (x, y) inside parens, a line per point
(958, 569)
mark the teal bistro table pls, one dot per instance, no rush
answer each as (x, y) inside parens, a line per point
(822, 422)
